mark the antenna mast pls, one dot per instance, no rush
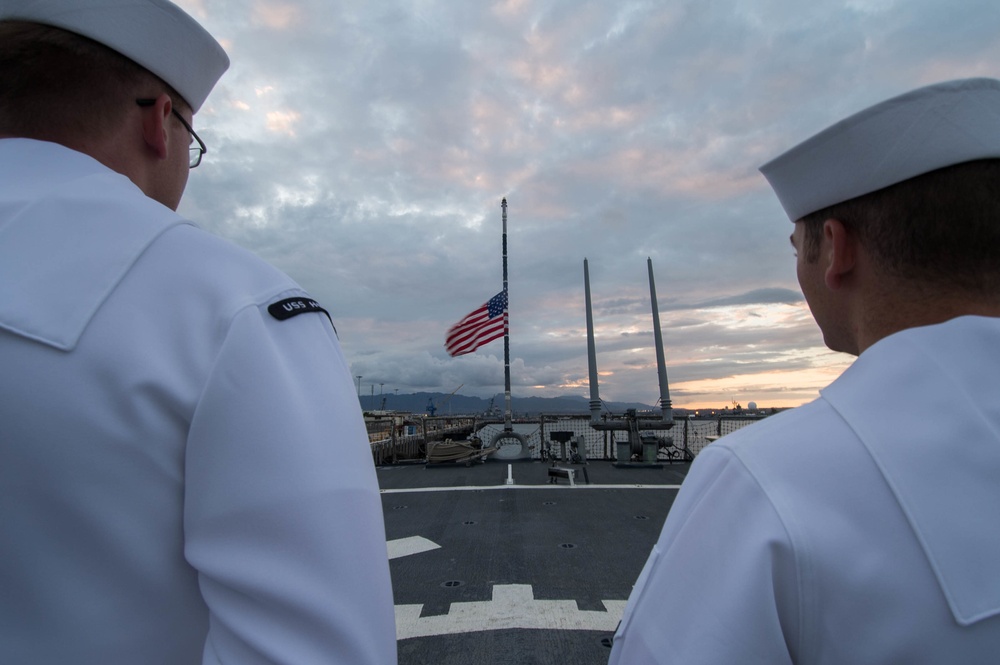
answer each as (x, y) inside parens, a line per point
(506, 329)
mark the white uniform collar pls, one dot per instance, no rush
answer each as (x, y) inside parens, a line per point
(70, 229)
(926, 404)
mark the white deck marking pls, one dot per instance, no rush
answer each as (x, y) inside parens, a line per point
(407, 546)
(513, 606)
(553, 486)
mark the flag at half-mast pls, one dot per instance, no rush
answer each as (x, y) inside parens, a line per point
(479, 327)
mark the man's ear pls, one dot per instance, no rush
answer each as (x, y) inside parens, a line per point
(840, 253)
(154, 125)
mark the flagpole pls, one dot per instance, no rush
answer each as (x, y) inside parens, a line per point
(506, 330)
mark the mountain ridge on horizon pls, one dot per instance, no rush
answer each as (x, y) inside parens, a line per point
(446, 403)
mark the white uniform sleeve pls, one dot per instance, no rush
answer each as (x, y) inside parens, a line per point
(720, 586)
(282, 517)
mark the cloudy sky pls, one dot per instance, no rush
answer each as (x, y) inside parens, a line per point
(364, 148)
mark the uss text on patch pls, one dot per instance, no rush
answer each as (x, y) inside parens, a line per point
(289, 307)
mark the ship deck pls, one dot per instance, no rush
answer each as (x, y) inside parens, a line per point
(494, 564)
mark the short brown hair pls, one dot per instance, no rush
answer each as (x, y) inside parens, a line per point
(940, 229)
(56, 84)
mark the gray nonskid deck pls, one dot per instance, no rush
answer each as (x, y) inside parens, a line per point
(529, 572)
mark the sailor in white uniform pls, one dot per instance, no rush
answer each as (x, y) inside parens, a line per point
(863, 527)
(185, 475)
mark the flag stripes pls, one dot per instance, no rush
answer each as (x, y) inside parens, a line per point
(479, 327)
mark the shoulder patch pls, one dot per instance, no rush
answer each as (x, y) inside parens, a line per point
(289, 307)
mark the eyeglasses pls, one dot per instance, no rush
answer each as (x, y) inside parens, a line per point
(196, 150)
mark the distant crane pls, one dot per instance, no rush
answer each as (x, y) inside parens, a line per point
(432, 408)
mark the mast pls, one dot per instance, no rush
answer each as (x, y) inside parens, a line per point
(506, 329)
(666, 408)
(595, 395)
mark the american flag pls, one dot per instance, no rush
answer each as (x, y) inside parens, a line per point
(478, 327)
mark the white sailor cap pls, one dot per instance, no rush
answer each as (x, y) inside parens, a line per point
(156, 34)
(915, 133)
